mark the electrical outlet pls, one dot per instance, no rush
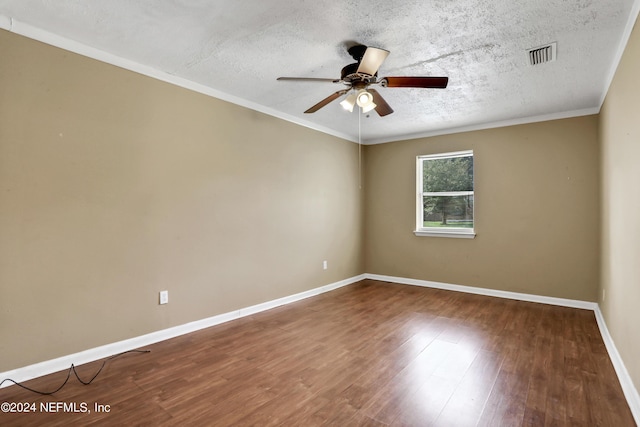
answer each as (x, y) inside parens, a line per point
(164, 297)
(324, 265)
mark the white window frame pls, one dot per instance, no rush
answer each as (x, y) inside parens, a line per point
(421, 230)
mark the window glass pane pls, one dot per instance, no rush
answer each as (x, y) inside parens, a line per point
(448, 211)
(454, 174)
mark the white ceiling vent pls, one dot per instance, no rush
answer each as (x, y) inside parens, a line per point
(542, 54)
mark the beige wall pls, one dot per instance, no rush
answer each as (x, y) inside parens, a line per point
(620, 139)
(536, 211)
(114, 186)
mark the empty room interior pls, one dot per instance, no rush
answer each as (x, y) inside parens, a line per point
(175, 223)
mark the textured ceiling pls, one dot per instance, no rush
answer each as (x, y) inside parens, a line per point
(237, 49)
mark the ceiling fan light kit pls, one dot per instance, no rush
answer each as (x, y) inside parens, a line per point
(364, 73)
(362, 98)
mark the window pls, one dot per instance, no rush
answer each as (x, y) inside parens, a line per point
(444, 205)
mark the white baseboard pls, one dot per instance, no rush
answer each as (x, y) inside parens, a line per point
(62, 363)
(487, 292)
(628, 388)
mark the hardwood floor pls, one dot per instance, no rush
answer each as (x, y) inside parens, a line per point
(370, 354)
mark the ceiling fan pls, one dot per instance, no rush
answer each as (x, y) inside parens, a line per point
(364, 73)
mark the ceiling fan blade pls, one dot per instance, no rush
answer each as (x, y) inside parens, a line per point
(371, 61)
(424, 82)
(382, 108)
(308, 79)
(327, 100)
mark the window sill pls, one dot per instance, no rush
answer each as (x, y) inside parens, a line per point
(459, 234)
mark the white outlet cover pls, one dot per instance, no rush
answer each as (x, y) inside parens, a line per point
(164, 297)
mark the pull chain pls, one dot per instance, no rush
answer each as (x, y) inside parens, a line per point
(359, 151)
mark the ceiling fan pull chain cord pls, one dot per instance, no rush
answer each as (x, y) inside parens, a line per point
(359, 151)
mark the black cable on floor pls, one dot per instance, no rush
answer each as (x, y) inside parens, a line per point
(73, 368)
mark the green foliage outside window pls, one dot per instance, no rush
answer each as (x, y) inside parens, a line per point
(448, 175)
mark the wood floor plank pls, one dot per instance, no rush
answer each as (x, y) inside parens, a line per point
(507, 400)
(423, 407)
(388, 402)
(468, 400)
(369, 354)
(539, 382)
(557, 399)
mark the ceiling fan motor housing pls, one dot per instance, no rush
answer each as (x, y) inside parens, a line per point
(349, 71)
(349, 74)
